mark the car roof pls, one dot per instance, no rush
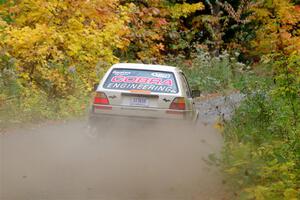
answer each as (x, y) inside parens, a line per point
(146, 67)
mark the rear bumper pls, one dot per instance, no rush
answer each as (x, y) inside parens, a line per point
(139, 113)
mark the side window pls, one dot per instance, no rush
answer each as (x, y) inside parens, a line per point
(186, 85)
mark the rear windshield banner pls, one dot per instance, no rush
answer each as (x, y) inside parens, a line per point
(131, 79)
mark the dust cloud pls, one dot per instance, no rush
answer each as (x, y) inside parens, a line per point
(123, 160)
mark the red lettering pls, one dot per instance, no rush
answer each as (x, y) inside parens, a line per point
(155, 81)
(117, 79)
(130, 79)
(168, 82)
(142, 80)
(145, 80)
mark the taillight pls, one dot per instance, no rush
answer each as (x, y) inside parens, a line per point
(101, 101)
(178, 104)
(101, 98)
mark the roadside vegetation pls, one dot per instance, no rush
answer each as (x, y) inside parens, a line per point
(261, 157)
(52, 52)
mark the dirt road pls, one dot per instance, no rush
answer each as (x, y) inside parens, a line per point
(132, 161)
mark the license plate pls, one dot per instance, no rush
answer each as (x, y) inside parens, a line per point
(139, 101)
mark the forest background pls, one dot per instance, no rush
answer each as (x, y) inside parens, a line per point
(53, 52)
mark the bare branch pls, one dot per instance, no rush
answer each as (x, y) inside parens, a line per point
(210, 6)
(236, 15)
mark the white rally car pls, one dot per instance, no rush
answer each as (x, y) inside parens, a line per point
(144, 92)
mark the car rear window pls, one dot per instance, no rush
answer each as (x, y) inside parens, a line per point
(134, 79)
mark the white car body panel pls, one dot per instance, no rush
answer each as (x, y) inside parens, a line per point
(157, 103)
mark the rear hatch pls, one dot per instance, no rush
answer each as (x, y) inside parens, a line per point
(144, 89)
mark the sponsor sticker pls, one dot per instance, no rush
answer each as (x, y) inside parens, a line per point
(146, 80)
(160, 75)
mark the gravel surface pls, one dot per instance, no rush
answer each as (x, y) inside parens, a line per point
(217, 108)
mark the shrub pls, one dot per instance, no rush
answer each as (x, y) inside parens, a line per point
(262, 143)
(212, 74)
(19, 104)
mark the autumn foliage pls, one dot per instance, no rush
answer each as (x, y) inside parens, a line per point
(53, 51)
